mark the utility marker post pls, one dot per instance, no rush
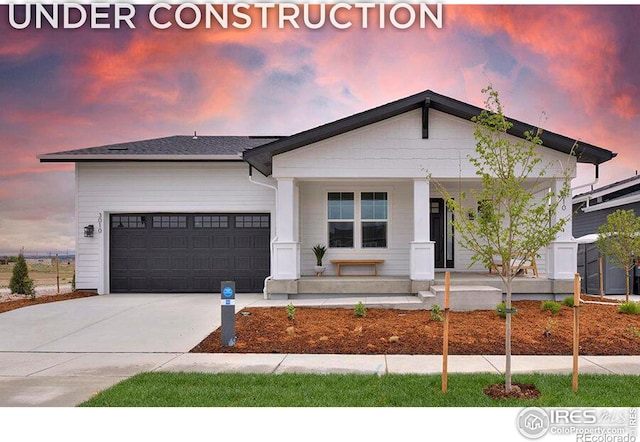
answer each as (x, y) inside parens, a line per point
(228, 312)
(445, 338)
(576, 331)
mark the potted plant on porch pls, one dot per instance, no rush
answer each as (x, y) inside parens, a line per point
(319, 250)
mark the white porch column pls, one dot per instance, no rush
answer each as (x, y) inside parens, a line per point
(286, 249)
(562, 254)
(422, 249)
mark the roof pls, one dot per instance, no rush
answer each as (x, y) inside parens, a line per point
(261, 156)
(175, 148)
(609, 188)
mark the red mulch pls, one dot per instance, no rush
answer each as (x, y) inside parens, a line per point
(603, 331)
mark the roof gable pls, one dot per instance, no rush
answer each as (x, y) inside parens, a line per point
(261, 156)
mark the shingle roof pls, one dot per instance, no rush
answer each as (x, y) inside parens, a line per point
(175, 148)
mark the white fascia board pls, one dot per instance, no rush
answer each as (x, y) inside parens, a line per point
(612, 203)
(596, 193)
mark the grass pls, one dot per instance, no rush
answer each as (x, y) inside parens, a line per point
(308, 390)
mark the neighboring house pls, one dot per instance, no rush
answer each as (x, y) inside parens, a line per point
(590, 211)
(183, 213)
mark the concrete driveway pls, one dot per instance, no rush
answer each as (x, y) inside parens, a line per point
(149, 323)
(60, 353)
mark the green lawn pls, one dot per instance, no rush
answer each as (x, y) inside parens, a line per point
(307, 390)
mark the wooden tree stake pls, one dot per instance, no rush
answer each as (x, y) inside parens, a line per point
(58, 272)
(445, 339)
(601, 278)
(576, 331)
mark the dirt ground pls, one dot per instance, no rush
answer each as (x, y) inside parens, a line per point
(6, 306)
(603, 331)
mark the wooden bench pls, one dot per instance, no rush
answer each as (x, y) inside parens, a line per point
(526, 266)
(358, 262)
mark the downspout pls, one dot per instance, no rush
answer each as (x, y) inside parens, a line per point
(275, 237)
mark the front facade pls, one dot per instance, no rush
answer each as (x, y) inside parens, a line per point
(184, 213)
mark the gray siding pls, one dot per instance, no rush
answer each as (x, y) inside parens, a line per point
(586, 223)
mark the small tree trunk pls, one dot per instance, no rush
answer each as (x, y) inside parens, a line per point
(627, 271)
(507, 344)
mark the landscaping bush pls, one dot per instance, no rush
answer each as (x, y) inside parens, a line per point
(500, 310)
(552, 306)
(20, 282)
(630, 308)
(568, 301)
(360, 311)
(291, 312)
(435, 313)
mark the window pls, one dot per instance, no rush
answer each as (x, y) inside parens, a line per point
(373, 215)
(210, 221)
(341, 219)
(249, 221)
(169, 222)
(128, 222)
(366, 227)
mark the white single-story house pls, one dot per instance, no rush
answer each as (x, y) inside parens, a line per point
(182, 213)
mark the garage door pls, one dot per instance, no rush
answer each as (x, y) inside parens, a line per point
(188, 253)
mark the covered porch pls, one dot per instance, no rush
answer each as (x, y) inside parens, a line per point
(412, 239)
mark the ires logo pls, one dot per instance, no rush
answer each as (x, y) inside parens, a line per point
(572, 417)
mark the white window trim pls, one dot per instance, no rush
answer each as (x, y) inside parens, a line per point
(357, 220)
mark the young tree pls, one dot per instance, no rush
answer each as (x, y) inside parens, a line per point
(20, 282)
(619, 239)
(514, 202)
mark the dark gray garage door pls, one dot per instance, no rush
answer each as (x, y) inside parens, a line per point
(188, 253)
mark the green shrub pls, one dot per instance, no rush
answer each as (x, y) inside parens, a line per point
(435, 313)
(20, 282)
(630, 308)
(360, 311)
(553, 306)
(500, 310)
(291, 312)
(568, 301)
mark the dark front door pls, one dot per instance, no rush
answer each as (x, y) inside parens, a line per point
(188, 253)
(437, 230)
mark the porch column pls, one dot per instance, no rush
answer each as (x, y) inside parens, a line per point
(422, 248)
(562, 254)
(286, 248)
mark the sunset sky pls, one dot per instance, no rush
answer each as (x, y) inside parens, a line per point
(67, 89)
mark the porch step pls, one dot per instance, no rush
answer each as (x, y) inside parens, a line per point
(464, 297)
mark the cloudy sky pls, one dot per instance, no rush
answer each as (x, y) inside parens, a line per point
(65, 89)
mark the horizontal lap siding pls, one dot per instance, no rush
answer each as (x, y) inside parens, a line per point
(156, 187)
(314, 228)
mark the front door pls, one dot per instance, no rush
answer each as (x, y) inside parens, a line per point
(441, 233)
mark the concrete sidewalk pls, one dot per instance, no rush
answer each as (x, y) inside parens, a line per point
(66, 379)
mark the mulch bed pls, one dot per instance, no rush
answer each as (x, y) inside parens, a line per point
(19, 303)
(603, 331)
(518, 391)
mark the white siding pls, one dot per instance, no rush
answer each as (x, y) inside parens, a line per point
(394, 148)
(314, 228)
(105, 188)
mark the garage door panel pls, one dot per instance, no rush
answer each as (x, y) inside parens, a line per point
(180, 263)
(158, 241)
(221, 242)
(201, 242)
(179, 241)
(193, 254)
